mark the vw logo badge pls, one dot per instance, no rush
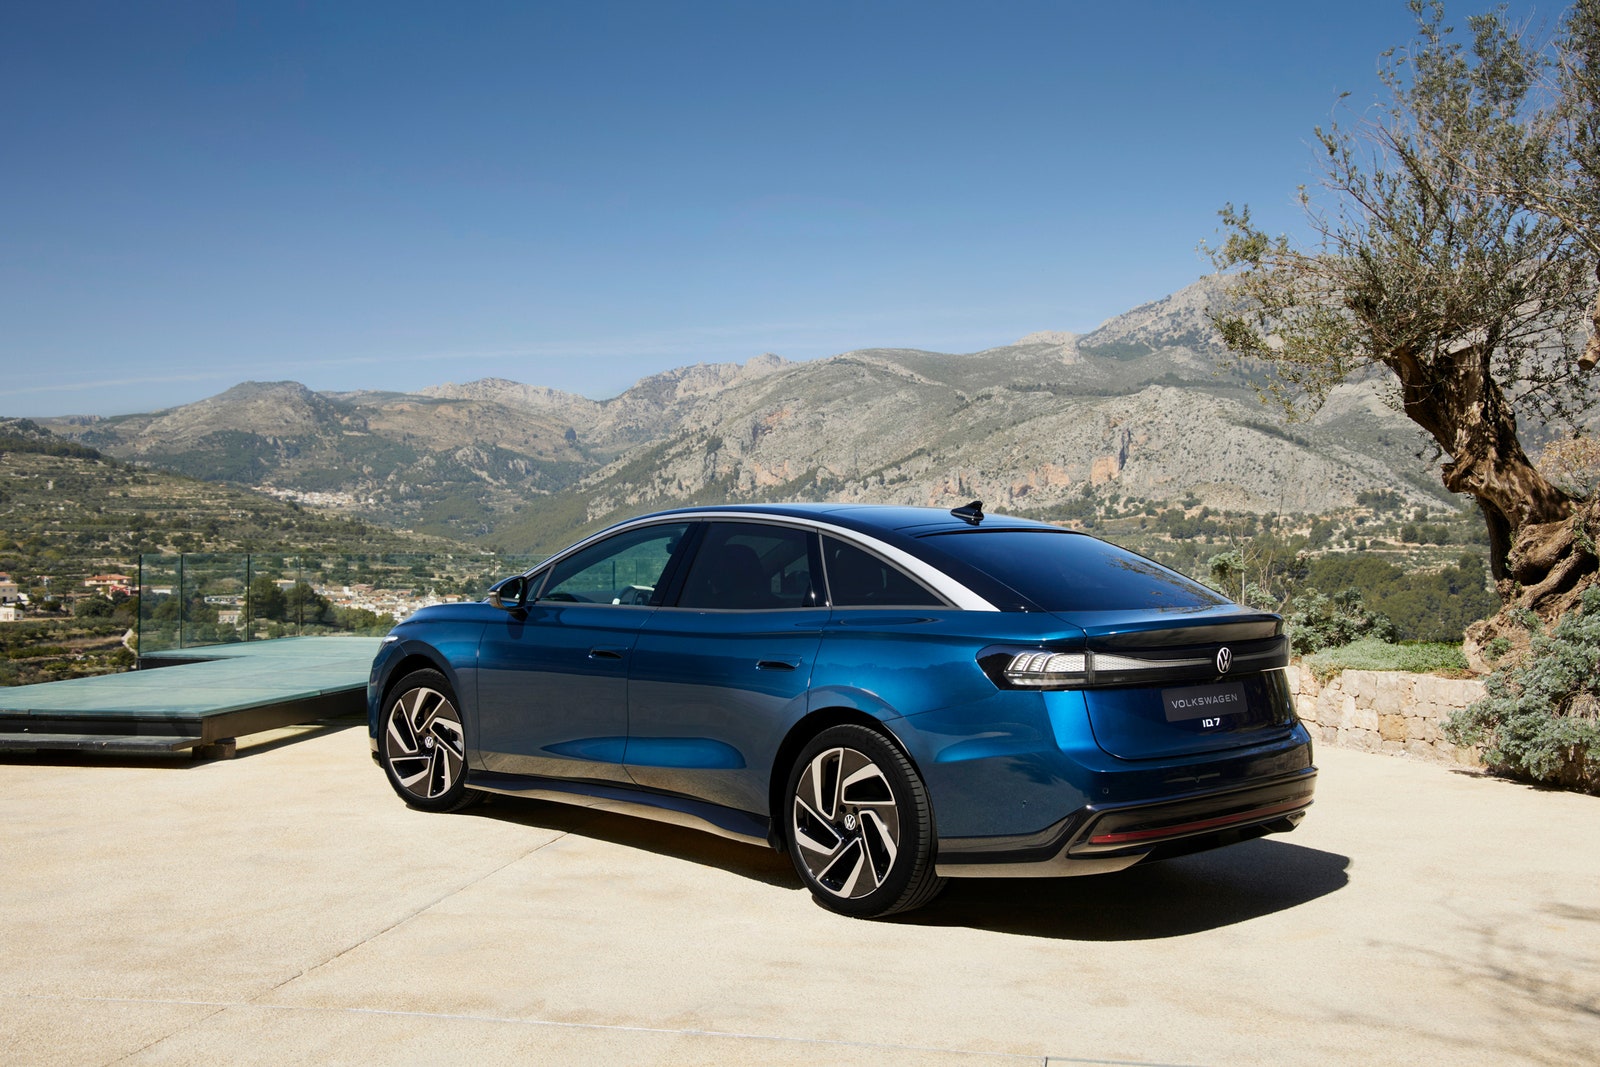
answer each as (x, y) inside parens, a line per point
(1224, 659)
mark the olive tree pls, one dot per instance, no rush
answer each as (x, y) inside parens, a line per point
(1454, 253)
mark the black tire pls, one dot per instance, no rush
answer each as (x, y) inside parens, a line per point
(859, 826)
(422, 744)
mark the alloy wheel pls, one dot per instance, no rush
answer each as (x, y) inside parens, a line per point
(846, 823)
(424, 743)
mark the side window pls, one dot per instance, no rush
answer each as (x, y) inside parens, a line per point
(857, 578)
(625, 569)
(750, 566)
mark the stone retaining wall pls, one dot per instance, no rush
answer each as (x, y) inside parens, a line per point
(1386, 711)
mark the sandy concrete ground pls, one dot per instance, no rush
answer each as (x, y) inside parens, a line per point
(285, 907)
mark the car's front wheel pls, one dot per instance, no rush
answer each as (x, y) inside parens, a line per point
(859, 824)
(423, 746)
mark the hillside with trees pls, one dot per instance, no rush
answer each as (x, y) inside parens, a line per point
(68, 513)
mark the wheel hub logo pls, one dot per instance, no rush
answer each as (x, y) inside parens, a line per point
(1224, 659)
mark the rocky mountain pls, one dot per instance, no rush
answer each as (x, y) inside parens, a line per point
(439, 464)
(1143, 407)
(648, 411)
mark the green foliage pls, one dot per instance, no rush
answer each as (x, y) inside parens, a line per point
(25, 435)
(45, 649)
(1430, 237)
(361, 621)
(1431, 605)
(226, 456)
(1380, 500)
(1426, 533)
(304, 606)
(1541, 718)
(1265, 571)
(92, 607)
(1376, 654)
(379, 455)
(1317, 621)
(1176, 524)
(266, 600)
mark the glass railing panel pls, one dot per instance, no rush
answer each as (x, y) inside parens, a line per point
(199, 599)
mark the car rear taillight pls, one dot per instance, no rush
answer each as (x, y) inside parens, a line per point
(1046, 668)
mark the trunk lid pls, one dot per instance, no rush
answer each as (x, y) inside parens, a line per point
(1191, 682)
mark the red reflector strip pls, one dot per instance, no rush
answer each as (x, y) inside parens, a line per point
(1201, 824)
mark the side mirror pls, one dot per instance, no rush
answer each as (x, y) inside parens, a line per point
(508, 595)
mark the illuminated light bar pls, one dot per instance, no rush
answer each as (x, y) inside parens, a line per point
(1104, 661)
(1053, 668)
(1046, 669)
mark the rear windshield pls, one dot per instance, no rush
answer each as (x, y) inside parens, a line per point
(1072, 572)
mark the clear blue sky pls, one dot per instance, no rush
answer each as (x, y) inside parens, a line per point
(575, 194)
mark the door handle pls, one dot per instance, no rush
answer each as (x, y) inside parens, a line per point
(605, 653)
(776, 665)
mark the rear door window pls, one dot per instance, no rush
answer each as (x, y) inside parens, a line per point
(750, 566)
(857, 578)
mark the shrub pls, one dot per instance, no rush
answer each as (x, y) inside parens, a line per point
(1541, 718)
(93, 607)
(1317, 621)
(1376, 654)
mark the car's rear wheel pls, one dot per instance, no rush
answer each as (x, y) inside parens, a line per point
(423, 746)
(859, 824)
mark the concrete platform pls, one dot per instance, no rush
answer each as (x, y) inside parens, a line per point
(285, 908)
(222, 693)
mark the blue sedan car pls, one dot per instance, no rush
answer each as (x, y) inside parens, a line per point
(894, 696)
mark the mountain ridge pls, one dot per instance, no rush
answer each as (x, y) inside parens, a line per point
(1147, 405)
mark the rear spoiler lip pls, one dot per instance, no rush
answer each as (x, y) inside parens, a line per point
(1125, 631)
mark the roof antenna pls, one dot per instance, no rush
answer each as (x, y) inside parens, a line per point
(969, 513)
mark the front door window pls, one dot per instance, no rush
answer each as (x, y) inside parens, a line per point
(625, 569)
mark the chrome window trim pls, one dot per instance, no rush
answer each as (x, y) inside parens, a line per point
(941, 583)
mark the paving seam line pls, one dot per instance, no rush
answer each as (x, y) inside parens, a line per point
(406, 918)
(1043, 1061)
(252, 1001)
(153, 1042)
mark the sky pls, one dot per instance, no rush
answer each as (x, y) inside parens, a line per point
(394, 195)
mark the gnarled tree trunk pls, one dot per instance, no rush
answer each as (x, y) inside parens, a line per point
(1551, 564)
(1540, 550)
(1464, 410)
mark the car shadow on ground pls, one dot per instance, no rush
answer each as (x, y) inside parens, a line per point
(664, 839)
(1169, 899)
(1180, 896)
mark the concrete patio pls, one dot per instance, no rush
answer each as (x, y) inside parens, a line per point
(285, 907)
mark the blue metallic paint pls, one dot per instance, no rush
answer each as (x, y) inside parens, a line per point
(710, 696)
(1132, 723)
(552, 692)
(690, 713)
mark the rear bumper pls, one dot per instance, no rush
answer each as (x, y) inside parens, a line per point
(1100, 838)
